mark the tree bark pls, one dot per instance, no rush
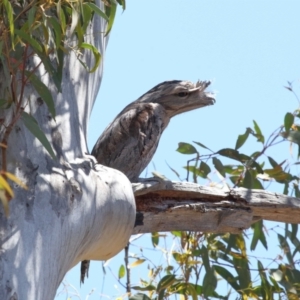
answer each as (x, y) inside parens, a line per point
(74, 209)
(167, 206)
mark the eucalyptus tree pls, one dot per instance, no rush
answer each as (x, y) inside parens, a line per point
(58, 206)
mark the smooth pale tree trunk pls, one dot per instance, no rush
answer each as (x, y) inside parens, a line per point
(73, 209)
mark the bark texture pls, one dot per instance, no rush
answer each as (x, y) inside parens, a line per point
(74, 209)
(168, 206)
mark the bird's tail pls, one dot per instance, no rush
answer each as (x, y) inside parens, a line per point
(84, 270)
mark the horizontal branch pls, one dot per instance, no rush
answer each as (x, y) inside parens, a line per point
(166, 206)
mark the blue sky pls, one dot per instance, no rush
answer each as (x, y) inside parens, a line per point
(249, 49)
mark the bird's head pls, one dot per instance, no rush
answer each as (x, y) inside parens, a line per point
(179, 96)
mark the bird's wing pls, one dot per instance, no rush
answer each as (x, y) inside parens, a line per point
(130, 141)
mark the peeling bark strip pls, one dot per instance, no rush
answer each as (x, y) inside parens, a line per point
(130, 141)
(166, 206)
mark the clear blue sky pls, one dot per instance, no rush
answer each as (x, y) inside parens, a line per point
(249, 49)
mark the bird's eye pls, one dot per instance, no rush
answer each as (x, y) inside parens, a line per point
(182, 94)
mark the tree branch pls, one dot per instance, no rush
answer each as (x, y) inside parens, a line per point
(166, 206)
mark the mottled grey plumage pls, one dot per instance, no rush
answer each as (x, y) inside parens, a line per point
(131, 139)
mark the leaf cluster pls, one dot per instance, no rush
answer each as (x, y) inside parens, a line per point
(202, 261)
(36, 35)
(252, 170)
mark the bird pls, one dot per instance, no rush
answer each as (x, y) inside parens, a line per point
(129, 142)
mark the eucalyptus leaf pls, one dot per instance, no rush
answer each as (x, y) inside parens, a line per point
(288, 121)
(242, 138)
(259, 135)
(98, 11)
(155, 238)
(96, 54)
(43, 91)
(57, 31)
(111, 12)
(121, 272)
(32, 125)
(209, 283)
(204, 169)
(203, 146)
(31, 41)
(186, 148)
(219, 166)
(139, 296)
(10, 17)
(231, 280)
(165, 282)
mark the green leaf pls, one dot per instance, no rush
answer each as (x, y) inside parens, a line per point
(230, 153)
(61, 16)
(136, 263)
(292, 136)
(3, 103)
(31, 41)
(96, 54)
(139, 296)
(288, 121)
(122, 3)
(32, 125)
(294, 231)
(228, 277)
(209, 283)
(178, 257)
(241, 266)
(43, 91)
(248, 180)
(121, 272)
(57, 31)
(86, 15)
(273, 163)
(59, 74)
(191, 290)
(10, 17)
(259, 135)
(205, 259)
(201, 145)
(242, 139)
(266, 287)
(176, 233)
(286, 189)
(186, 148)
(4, 185)
(149, 287)
(111, 13)
(155, 238)
(5, 202)
(219, 166)
(235, 180)
(257, 184)
(75, 19)
(204, 169)
(245, 159)
(98, 11)
(258, 235)
(165, 282)
(285, 246)
(276, 287)
(296, 190)
(278, 174)
(31, 15)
